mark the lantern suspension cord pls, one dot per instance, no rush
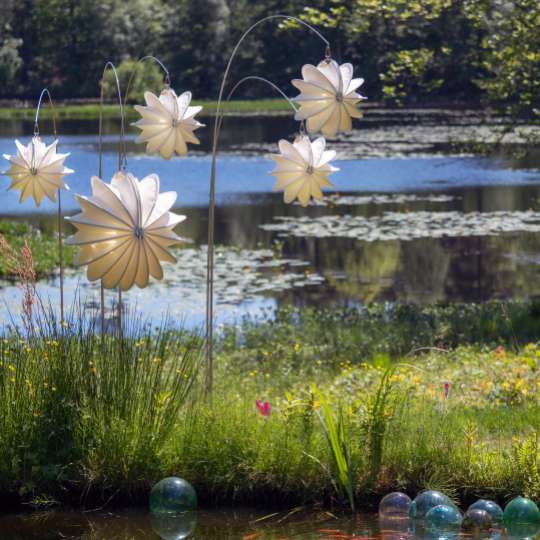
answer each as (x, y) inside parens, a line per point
(122, 164)
(45, 92)
(212, 192)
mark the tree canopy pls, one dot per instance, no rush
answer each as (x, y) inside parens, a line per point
(409, 51)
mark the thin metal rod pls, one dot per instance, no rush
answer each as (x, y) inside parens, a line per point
(212, 192)
(269, 83)
(46, 92)
(119, 311)
(61, 256)
(102, 302)
(122, 157)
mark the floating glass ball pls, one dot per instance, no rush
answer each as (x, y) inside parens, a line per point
(492, 508)
(476, 519)
(395, 505)
(521, 510)
(174, 526)
(443, 517)
(172, 496)
(425, 501)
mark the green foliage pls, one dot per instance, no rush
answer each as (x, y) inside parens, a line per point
(407, 74)
(94, 410)
(311, 338)
(511, 45)
(140, 76)
(407, 50)
(92, 418)
(337, 436)
(44, 246)
(10, 61)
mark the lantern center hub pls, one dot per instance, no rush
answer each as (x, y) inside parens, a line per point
(139, 233)
(339, 97)
(309, 170)
(33, 171)
(174, 122)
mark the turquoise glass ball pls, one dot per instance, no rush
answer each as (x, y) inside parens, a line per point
(174, 526)
(492, 508)
(425, 501)
(522, 531)
(521, 510)
(476, 519)
(395, 504)
(172, 496)
(443, 517)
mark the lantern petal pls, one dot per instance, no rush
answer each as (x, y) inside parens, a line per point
(327, 97)
(124, 230)
(314, 75)
(304, 177)
(167, 122)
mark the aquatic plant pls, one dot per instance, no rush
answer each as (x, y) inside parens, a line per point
(336, 431)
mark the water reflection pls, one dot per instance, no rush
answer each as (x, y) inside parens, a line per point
(419, 214)
(174, 527)
(233, 524)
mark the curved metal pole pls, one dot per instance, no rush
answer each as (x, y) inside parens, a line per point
(134, 72)
(44, 92)
(212, 193)
(122, 164)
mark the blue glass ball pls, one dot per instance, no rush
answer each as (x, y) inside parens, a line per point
(425, 501)
(492, 508)
(172, 496)
(174, 526)
(521, 510)
(443, 517)
(476, 519)
(395, 504)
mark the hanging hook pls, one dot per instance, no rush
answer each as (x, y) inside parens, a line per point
(38, 110)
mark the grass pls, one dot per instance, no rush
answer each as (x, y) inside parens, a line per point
(44, 247)
(89, 421)
(91, 110)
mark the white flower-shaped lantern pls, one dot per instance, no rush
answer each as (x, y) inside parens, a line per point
(167, 123)
(124, 230)
(37, 170)
(302, 168)
(328, 97)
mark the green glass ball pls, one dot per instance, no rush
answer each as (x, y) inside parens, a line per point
(492, 508)
(172, 495)
(425, 501)
(476, 519)
(521, 510)
(443, 517)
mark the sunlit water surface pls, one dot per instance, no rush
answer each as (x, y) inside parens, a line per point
(408, 220)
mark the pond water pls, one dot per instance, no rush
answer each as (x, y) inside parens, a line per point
(233, 524)
(409, 219)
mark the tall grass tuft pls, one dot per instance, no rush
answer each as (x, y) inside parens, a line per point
(336, 431)
(96, 409)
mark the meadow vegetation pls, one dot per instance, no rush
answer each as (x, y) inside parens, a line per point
(354, 409)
